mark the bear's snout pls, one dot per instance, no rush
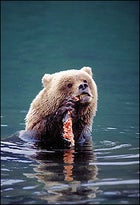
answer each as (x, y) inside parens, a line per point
(83, 86)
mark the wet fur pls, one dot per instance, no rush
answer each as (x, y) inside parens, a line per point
(47, 110)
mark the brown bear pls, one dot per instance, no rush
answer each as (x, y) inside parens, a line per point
(44, 120)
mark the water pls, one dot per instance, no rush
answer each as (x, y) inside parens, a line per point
(107, 173)
(44, 37)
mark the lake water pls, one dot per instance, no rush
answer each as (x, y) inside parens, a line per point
(47, 36)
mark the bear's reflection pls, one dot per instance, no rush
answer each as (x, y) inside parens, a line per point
(67, 174)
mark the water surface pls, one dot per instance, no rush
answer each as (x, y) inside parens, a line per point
(47, 36)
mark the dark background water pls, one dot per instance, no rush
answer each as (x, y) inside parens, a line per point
(40, 37)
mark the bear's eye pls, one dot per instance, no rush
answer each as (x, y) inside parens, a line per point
(69, 85)
(85, 81)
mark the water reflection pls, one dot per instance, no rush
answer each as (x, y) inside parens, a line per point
(68, 158)
(69, 176)
(66, 173)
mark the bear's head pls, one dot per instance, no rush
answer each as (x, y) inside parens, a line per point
(71, 83)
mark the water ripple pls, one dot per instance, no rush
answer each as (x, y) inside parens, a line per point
(113, 148)
(114, 163)
(11, 181)
(123, 156)
(117, 182)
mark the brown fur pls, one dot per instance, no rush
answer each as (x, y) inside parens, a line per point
(42, 113)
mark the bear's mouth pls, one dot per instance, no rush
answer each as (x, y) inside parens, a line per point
(84, 97)
(84, 94)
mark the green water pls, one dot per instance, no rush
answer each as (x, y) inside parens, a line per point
(40, 37)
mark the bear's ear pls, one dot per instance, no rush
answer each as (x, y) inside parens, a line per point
(87, 70)
(46, 79)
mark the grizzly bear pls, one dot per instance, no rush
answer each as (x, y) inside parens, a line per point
(44, 120)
